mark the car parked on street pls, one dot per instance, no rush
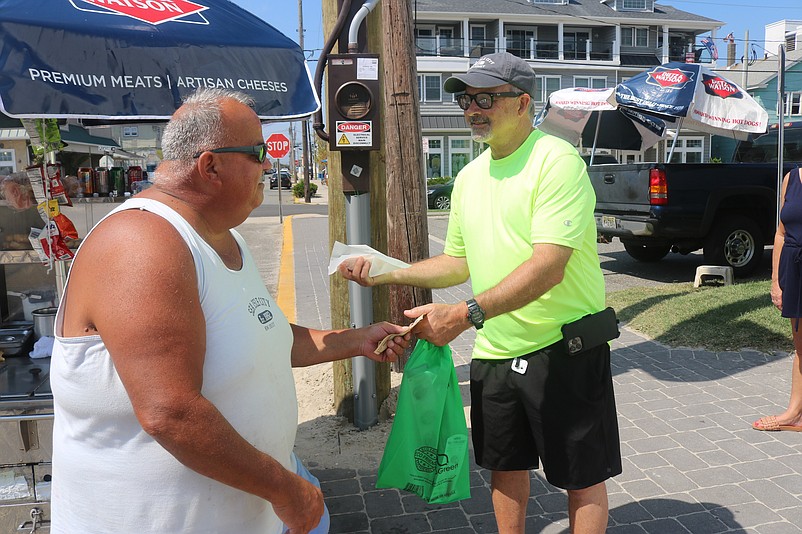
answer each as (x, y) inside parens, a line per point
(286, 182)
(439, 195)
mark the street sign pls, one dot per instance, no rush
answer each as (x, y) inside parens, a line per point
(278, 145)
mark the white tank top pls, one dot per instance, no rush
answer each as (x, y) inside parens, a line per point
(111, 476)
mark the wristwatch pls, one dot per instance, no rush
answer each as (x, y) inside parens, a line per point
(476, 315)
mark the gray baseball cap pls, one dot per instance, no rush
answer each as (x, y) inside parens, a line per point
(493, 70)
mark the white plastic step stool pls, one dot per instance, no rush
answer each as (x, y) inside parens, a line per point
(705, 272)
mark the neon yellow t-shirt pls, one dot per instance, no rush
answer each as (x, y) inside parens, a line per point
(540, 193)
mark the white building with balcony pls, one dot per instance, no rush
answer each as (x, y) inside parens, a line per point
(569, 43)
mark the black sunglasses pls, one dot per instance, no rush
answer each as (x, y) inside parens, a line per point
(483, 100)
(260, 151)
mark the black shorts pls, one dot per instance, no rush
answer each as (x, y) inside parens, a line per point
(560, 411)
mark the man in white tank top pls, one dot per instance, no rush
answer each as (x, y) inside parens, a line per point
(174, 397)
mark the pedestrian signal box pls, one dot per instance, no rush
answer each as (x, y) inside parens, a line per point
(353, 101)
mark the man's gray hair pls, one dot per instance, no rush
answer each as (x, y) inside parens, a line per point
(198, 127)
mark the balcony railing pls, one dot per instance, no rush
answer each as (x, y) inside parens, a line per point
(533, 49)
(481, 47)
(439, 46)
(601, 50)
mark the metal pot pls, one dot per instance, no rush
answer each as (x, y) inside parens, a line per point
(44, 322)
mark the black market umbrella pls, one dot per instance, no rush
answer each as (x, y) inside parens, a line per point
(135, 60)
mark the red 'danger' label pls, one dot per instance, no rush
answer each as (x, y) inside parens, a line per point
(353, 127)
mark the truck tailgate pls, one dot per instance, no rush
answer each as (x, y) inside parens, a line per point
(621, 188)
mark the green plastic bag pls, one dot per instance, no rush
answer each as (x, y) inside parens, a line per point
(427, 450)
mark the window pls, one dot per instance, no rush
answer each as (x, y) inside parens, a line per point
(591, 82)
(429, 88)
(130, 131)
(434, 158)
(688, 150)
(634, 36)
(635, 5)
(793, 104)
(575, 44)
(558, 2)
(7, 162)
(544, 86)
(459, 152)
(519, 41)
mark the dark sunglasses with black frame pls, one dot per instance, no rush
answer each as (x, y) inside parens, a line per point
(259, 151)
(483, 100)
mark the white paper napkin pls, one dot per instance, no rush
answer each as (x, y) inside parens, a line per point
(379, 263)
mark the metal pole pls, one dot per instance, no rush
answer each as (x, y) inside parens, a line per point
(674, 143)
(780, 126)
(595, 137)
(278, 186)
(357, 225)
(304, 122)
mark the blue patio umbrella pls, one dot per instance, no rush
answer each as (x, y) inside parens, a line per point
(135, 60)
(694, 96)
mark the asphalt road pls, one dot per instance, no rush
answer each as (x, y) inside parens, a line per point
(620, 270)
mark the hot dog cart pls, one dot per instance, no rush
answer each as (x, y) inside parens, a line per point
(26, 438)
(26, 400)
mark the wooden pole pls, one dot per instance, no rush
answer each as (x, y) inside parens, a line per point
(407, 225)
(338, 287)
(378, 198)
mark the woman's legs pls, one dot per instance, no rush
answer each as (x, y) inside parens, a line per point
(792, 416)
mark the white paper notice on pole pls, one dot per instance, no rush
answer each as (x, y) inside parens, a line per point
(379, 263)
(367, 68)
(354, 133)
(425, 145)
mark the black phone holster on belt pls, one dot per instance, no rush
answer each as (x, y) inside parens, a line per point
(590, 331)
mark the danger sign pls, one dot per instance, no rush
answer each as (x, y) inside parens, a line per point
(354, 134)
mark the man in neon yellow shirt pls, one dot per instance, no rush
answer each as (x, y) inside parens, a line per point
(522, 228)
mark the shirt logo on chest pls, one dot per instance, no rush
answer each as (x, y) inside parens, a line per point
(259, 307)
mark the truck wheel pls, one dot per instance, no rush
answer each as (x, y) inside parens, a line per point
(646, 253)
(735, 241)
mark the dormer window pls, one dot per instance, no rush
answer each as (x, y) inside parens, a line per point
(631, 5)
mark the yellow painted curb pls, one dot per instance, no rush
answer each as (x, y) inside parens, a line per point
(286, 273)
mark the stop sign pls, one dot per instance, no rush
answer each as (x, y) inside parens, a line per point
(278, 145)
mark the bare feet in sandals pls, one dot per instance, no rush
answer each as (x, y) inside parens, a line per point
(771, 423)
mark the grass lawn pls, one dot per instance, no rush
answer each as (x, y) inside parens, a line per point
(715, 318)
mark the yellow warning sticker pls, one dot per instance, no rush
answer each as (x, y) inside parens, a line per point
(343, 140)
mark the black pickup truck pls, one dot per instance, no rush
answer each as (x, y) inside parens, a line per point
(726, 209)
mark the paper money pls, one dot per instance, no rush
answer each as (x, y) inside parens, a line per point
(383, 345)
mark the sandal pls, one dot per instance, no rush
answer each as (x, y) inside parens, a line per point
(769, 424)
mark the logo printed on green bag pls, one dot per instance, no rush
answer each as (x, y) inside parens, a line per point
(428, 461)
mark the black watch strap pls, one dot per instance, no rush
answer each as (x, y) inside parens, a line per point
(476, 315)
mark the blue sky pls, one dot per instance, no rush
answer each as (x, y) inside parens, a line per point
(738, 16)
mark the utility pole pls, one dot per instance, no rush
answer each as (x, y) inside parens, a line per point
(304, 122)
(744, 82)
(291, 166)
(407, 225)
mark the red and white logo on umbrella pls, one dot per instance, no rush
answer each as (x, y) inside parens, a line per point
(718, 86)
(150, 11)
(669, 78)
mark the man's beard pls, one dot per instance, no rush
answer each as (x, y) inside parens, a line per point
(481, 132)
